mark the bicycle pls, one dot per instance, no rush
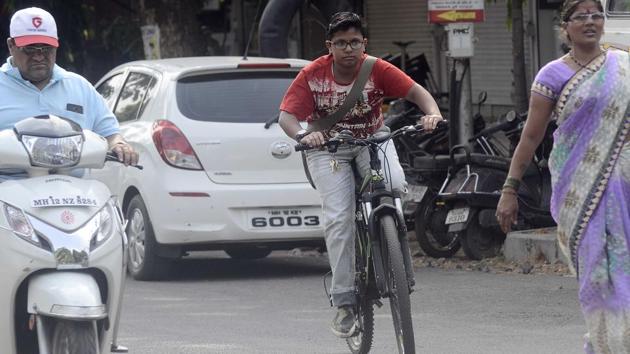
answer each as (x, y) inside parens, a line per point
(383, 260)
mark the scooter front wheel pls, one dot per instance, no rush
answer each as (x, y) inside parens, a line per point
(74, 337)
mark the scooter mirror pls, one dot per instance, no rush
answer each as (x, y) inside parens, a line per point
(510, 116)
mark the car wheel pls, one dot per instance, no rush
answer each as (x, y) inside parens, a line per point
(248, 252)
(144, 263)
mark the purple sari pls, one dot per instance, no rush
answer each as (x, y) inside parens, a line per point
(590, 168)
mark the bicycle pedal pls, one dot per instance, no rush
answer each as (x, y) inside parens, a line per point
(378, 303)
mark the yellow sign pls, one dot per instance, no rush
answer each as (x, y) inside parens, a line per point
(453, 16)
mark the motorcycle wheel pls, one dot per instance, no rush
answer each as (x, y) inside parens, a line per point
(74, 337)
(479, 242)
(144, 263)
(431, 232)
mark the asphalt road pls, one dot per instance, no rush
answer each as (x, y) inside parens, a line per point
(277, 305)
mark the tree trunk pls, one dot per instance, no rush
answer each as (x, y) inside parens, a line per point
(518, 58)
(180, 31)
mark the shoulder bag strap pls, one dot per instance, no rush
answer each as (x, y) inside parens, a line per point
(329, 121)
(356, 91)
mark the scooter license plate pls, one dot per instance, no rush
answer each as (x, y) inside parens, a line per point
(456, 216)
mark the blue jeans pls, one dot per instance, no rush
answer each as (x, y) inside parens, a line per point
(336, 189)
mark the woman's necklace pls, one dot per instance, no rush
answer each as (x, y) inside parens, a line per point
(577, 62)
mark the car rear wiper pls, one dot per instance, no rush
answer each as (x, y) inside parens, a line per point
(271, 121)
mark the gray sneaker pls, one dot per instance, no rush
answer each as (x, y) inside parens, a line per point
(344, 324)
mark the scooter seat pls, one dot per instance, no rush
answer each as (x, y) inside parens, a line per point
(481, 160)
(431, 162)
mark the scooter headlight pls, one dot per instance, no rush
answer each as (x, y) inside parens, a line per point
(20, 224)
(106, 225)
(53, 152)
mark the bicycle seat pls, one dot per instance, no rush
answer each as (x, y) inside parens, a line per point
(403, 44)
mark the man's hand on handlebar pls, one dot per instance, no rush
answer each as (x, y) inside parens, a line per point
(313, 140)
(430, 121)
(125, 153)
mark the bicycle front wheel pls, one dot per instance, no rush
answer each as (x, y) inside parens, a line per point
(398, 287)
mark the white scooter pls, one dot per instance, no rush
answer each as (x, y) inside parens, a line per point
(62, 243)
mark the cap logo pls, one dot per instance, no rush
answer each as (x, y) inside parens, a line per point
(37, 21)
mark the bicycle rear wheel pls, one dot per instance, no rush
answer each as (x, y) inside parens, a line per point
(361, 343)
(398, 287)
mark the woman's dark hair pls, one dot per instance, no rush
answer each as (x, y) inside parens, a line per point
(343, 21)
(569, 6)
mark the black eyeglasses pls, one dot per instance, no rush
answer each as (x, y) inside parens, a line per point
(582, 18)
(31, 50)
(341, 44)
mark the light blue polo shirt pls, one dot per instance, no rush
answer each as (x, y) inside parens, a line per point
(67, 95)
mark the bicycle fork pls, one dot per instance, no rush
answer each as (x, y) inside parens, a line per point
(373, 230)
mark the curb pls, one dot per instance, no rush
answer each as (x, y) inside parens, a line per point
(534, 246)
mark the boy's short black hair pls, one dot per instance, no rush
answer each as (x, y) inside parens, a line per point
(343, 21)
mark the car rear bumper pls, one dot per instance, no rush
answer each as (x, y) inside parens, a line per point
(239, 214)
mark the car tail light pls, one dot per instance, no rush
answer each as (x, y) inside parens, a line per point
(174, 147)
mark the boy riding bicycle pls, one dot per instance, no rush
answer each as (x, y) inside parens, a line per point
(318, 91)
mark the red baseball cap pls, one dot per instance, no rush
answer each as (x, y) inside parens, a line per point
(33, 25)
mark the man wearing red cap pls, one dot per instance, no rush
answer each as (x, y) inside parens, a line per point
(31, 84)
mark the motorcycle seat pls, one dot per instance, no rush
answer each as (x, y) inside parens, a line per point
(431, 162)
(481, 160)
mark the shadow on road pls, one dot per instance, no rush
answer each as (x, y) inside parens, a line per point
(216, 266)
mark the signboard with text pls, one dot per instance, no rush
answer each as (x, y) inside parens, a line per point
(451, 11)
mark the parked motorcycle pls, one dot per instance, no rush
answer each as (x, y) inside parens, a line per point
(425, 159)
(62, 243)
(472, 189)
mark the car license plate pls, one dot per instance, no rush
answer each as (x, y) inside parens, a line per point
(281, 218)
(456, 216)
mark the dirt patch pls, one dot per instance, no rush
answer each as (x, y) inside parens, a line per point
(488, 265)
(491, 265)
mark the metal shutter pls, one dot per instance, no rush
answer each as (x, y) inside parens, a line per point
(398, 20)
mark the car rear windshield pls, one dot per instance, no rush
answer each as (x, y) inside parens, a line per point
(237, 97)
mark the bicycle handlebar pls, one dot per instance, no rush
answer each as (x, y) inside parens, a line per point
(378, 138)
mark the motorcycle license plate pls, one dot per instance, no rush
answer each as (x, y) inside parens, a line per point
(280, 218)
(456, 216)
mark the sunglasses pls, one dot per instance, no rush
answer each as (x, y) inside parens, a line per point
(582, 18)
(31, 50)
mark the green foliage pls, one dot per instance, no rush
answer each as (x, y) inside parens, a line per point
(94, 35)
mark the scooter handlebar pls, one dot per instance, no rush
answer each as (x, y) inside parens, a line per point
(114, 158)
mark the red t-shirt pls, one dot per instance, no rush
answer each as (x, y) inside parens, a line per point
(314, 93)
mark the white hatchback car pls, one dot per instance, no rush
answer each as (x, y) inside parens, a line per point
(219, 173)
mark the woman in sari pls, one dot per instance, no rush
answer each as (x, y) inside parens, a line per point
(587, 93)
